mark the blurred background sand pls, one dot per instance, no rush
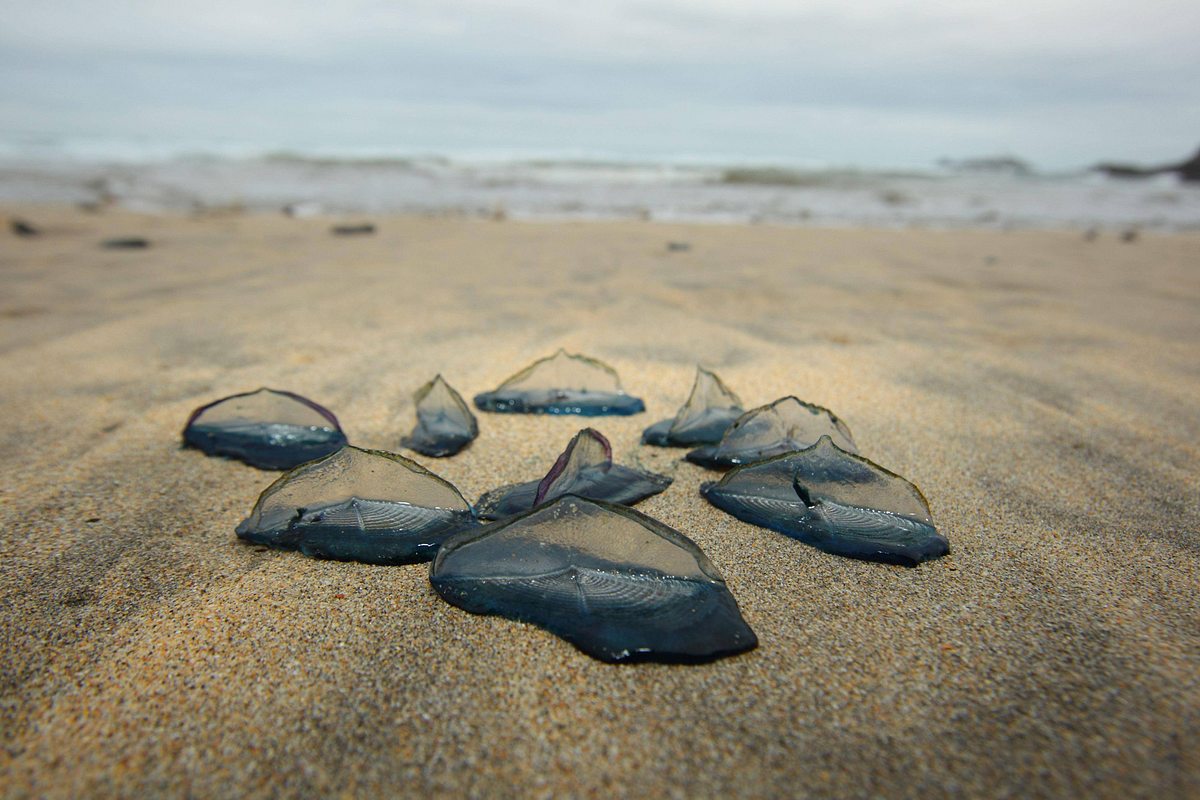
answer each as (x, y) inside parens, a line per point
(1039, 388)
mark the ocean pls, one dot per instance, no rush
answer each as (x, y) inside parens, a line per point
(183, 177)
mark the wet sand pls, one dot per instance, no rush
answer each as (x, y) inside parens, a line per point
(1041, 390)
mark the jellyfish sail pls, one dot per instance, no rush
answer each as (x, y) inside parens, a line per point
(783, 426)
(359, 505)
(445, 425)
(584, 468)
(709, 411)
(266, 428)
(836, 501)
(617, 584)
(562, 384)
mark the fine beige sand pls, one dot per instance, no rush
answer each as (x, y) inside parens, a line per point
(1041, 389)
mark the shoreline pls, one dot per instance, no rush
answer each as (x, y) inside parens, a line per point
(28, 212)
(570, 191)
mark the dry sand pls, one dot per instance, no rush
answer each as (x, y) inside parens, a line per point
(1042, 391)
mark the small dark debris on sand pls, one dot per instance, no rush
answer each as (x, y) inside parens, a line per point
(126, 243)
(1129, 235)
(678, 247)
(22, 228)
(363, 229)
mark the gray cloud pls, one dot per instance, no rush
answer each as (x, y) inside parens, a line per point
(1064, 83)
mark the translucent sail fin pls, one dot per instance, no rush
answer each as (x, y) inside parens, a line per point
(445, 425)
(837, 501)
(562, 384)
(709, 411)
(617, 584)
(584, 468)
(266, 428)
(786, 425)
(359, 505)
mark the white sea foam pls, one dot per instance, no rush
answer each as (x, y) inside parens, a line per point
(141, 176)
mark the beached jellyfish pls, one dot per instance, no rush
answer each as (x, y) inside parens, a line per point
(617, 584)
(445, 424)
(359, 505)
(834, 500)
(709, 411)
(783, 426)
(265, 428)
(586, 469)
(562, 384)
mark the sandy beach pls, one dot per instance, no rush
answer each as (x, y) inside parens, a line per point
(1041, 389)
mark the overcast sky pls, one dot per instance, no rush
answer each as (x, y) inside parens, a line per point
(877, 82)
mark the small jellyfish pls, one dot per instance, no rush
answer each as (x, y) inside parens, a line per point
(445, 424)
(833, 500)
(562, 384)
(359, 505)
(617, 584)
(266, 428)
(709, 411)
(783, 426)
(585, 469)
